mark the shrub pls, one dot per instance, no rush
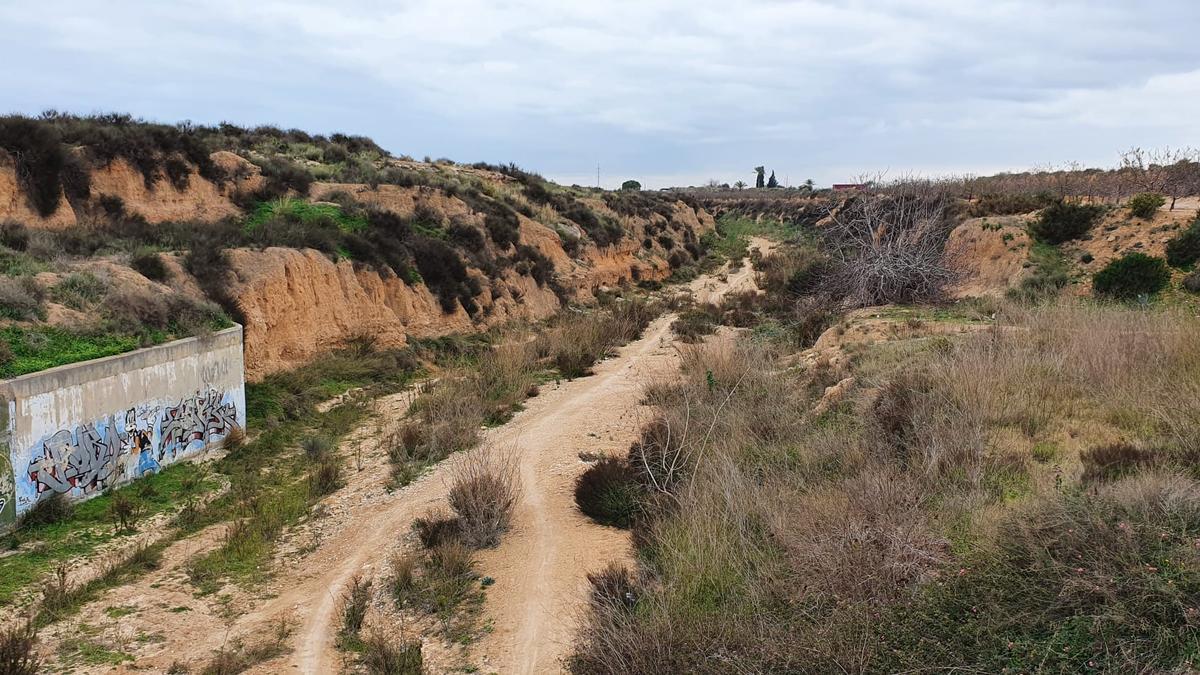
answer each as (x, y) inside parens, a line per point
(325, 475)
(613, 587)
(149, 263)
(55, 508)
(483, 493)
(608, 492)
(384, 656)
(79, 290)
(993, 204)
(14, 235)
(1063, 221)
(1192, 282)
(18, 649)
(124, 510)
(693, 324)
(434, 529)
(1183, 250)
(1131, 276)
(631, 185)
(444, 272)
(355, 602)
(534, 263)
(40, 159)
(282, 175)
(1146, 204)
(316, 447)
(20, 298)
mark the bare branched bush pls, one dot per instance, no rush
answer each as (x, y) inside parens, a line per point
(887, 248)
(483, 492)
(18, 649)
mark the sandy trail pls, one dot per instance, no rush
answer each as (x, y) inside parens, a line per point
(541, 566)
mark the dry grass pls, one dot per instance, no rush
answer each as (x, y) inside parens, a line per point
(484, 489)
(383, 655)
(18, 649)
(922, 523)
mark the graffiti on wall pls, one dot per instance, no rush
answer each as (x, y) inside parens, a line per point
(95, 456)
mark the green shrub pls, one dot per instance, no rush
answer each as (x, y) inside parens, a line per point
(1146, 204)
(79, 290)
(608, 492)
(1183, 250)
(1131, 276)
(40, 159)
(1063, 221)
(149, 263)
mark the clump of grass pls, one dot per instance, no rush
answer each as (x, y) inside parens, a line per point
(483, 491)
(608, 492)
(441, 581)
(355, 602)
(385, 656)
(238, 657)
(149, 263)
(61, 597)
(436, 528)
(325, 475)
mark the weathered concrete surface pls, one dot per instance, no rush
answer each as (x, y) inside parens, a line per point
(83, 428)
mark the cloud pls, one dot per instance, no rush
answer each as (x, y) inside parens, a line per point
(661, 88)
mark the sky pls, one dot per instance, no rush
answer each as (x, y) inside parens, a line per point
(667, 92)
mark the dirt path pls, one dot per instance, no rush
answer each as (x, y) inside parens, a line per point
(540, 568)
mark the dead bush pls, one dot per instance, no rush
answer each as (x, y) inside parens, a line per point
(18, 649)
(887, 248)
(483, 491)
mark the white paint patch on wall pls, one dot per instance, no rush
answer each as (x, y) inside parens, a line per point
(87, 427)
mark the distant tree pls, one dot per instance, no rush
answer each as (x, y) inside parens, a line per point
(741, 185)
(810, 185)
(760, 180)
(631, 185)
(772, 183)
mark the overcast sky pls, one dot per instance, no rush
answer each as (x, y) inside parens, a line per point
(670, 92)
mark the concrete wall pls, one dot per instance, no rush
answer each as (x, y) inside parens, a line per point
(82, 428)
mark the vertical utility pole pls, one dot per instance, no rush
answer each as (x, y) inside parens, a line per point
(597, 175)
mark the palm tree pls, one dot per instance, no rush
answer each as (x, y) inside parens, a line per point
(741, 185)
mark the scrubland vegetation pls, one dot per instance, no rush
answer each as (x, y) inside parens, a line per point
(1023, 498)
